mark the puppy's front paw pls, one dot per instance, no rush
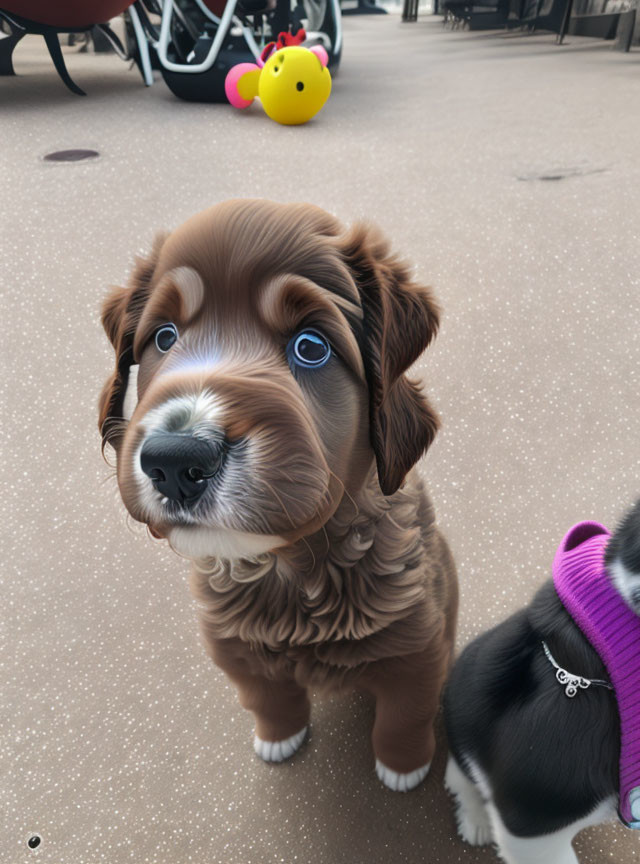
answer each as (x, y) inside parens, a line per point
(278, 751)
(401, 782)
(473, 827)
(472, 816)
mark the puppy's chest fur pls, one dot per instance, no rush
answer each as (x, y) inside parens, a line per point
(380, 590)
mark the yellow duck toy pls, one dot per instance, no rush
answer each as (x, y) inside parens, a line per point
(291, 81)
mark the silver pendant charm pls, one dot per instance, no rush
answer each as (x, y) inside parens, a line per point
(573, 682)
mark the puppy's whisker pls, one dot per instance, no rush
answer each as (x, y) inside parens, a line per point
(280, 501)
(326, 537)
(311, 552)
(149, 534)
(293, 525)
(317, 512)
(179, 553)
(292, 480)
(345, 492)
(131, 524)
(107, 459)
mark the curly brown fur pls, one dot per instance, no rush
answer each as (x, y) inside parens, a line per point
(378, 590)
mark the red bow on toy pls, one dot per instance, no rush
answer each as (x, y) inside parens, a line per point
(285, 40)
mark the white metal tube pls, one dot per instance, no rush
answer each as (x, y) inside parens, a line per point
(143, 48)
(210, 59)
(337, 12)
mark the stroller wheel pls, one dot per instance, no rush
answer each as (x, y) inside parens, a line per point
(208, 86)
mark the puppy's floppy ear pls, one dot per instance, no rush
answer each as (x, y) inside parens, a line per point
(400, 320)
(121, 312)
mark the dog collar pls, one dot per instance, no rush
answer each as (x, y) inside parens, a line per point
(586, 591)
(572, 683)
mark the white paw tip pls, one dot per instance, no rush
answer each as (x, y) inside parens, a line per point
(401, 782)
(278, 751)
(474, 833)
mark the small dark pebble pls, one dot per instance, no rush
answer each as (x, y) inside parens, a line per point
(71, 155)
(33, 842)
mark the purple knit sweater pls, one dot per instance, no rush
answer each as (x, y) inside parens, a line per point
(587, 593)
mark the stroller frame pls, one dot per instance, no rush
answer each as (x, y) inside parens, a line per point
(223, 27)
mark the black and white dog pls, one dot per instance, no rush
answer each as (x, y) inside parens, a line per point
(530, 768)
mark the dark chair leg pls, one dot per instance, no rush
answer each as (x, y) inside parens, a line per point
(51, 38)
(112, 38)
(624, 32)
(565, 23)
(7, 44)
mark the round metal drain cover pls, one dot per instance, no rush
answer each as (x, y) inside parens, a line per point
(71, 155)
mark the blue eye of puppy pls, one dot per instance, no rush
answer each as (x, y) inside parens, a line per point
(165, 337)
(309, 349)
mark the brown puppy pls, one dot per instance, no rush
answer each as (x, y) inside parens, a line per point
(271, 443)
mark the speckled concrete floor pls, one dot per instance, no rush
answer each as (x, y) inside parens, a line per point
(119, 741)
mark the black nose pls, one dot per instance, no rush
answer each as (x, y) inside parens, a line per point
(180, 465)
